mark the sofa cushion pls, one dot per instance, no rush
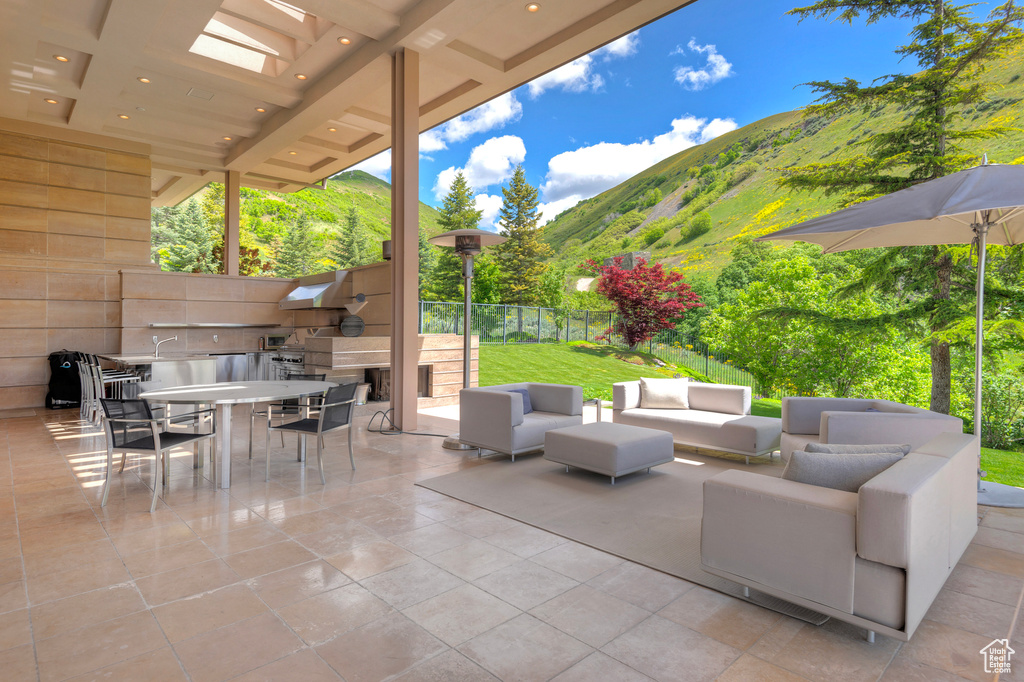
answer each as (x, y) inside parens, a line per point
(530, 434)
(853, 449)
(666, 394)
(742, 434)
(839, 472)
(527, 406)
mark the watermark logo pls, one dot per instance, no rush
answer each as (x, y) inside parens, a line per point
(997, 655)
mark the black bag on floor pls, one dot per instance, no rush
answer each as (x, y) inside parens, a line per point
(65, 386)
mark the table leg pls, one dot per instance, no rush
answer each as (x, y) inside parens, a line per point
(300, 447)
(224, 444)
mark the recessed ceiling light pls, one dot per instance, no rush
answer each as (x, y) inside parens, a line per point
(332, 130)
(261, 110)
(140, 108)
(226, 138)
(532, 7)
(301, 76)
(142, 79)
(344, 40)
(61, 58)
(124, 116)
(293, 153)
(50, 101)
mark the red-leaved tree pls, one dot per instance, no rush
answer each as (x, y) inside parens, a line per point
(647, 298)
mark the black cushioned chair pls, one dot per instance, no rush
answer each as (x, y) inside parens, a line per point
(131, 427)
(335, 413)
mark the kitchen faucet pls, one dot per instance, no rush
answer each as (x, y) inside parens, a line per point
(156, 353)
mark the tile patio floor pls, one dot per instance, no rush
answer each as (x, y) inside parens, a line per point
(372, 578)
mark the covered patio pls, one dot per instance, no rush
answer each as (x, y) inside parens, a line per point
(371, 577)
(112, 107)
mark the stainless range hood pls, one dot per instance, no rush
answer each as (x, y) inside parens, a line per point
(321, 291)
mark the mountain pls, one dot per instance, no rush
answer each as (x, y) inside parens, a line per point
(328, 208)
(269, 223)
(733, 178)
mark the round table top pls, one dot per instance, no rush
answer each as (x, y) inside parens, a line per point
(234, 392)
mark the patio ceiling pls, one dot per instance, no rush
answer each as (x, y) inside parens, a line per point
(284, 93)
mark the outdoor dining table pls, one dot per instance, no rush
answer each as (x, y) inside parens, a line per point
(224, 396)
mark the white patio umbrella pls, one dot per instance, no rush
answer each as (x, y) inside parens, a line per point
(984, 204)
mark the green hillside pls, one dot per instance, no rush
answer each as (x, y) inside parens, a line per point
(326, 209)
(741, 195)
(269, 219)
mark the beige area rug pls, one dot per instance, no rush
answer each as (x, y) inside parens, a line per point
(651, 519)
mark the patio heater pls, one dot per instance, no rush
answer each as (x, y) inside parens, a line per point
(467, 243)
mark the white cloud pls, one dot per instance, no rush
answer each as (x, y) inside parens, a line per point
(431, 141)
(716, 127)
(550, 210)
(579, 174)
(576, 76)
(490, 204)
(715, 70)
(379, 165)
(625, 46)
(490, 163)
(488, 116)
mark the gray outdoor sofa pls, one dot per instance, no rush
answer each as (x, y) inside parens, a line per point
(875, 558)
(856, 421)
(718, 418)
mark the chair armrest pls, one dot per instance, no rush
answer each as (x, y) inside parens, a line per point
(484, 406)
(626, 395)
(886, 427)
(798, 538)
(125, 420)
(487, 417)
(558, 398)
(803, 415)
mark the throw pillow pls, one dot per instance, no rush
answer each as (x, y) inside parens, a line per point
(527, 405)
(839, 472)
(848, 449)
(670, 394)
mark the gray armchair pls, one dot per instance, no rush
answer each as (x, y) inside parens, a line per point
(492, 418)
(856, 421)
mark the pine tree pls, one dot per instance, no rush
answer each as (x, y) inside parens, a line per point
(297, 253)
(346, 251)
(521, 255)
(457, 213)
(428, 259)
(951, 50)
(191, 248)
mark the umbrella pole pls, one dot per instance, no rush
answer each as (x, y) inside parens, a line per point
(979, 332)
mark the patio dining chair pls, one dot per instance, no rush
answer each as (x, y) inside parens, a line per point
(284, 408)
(335, 413)
(131, 427)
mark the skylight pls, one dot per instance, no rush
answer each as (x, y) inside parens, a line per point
(229, 53)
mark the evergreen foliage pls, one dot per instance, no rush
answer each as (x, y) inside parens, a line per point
(952, 50)
(297, 254)
(458, 212)
(522, 253)
(191, 245)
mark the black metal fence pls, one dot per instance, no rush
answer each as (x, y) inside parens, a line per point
(509, 324)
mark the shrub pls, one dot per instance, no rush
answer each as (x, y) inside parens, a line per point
(651, 235)
(701, 224)
(744, 171)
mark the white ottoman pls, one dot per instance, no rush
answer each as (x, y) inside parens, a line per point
(608, 448)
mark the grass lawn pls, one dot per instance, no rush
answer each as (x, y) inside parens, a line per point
(592, 366)
(597, 367)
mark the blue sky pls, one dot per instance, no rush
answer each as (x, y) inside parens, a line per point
(708, 68)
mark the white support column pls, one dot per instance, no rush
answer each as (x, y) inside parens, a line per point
(232, 199)
(405, 257)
